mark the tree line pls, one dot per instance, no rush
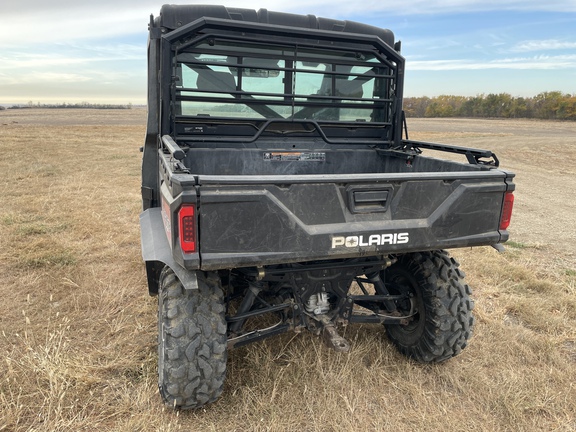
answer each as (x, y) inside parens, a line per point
(72, 105)
(552, 105)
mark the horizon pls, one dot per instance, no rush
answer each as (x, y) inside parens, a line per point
(89, 104)
(459, 47)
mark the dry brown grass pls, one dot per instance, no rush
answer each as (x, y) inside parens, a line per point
(78, 329)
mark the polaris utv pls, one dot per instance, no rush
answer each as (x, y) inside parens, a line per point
(281, 193)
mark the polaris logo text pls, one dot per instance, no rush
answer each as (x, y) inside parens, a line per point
(371, 240)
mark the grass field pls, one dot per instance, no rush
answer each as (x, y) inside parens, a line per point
(78, 329)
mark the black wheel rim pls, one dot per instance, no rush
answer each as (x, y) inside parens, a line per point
(402, 282)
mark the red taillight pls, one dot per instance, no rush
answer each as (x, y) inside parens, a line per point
(507, 210)
(187, 225)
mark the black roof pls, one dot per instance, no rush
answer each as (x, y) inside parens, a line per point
(175, 16)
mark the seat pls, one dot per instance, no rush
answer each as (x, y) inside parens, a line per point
(210, 80)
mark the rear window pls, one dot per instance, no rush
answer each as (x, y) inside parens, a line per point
(227, 79)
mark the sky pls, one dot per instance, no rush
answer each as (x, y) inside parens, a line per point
(56, 51)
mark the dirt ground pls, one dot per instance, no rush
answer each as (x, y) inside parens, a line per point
(543, 157)
(78, 329)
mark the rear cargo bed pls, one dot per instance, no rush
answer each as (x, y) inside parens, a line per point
(255, 211)
(230, 161)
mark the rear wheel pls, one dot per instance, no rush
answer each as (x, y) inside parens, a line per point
(439, 304)
(191, 341)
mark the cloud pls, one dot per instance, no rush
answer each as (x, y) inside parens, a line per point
(48, 77)
(43, 57)
(543, 45)
(526, 63)
(70, 71)
(53, 27)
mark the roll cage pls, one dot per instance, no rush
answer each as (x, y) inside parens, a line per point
(229, 82)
